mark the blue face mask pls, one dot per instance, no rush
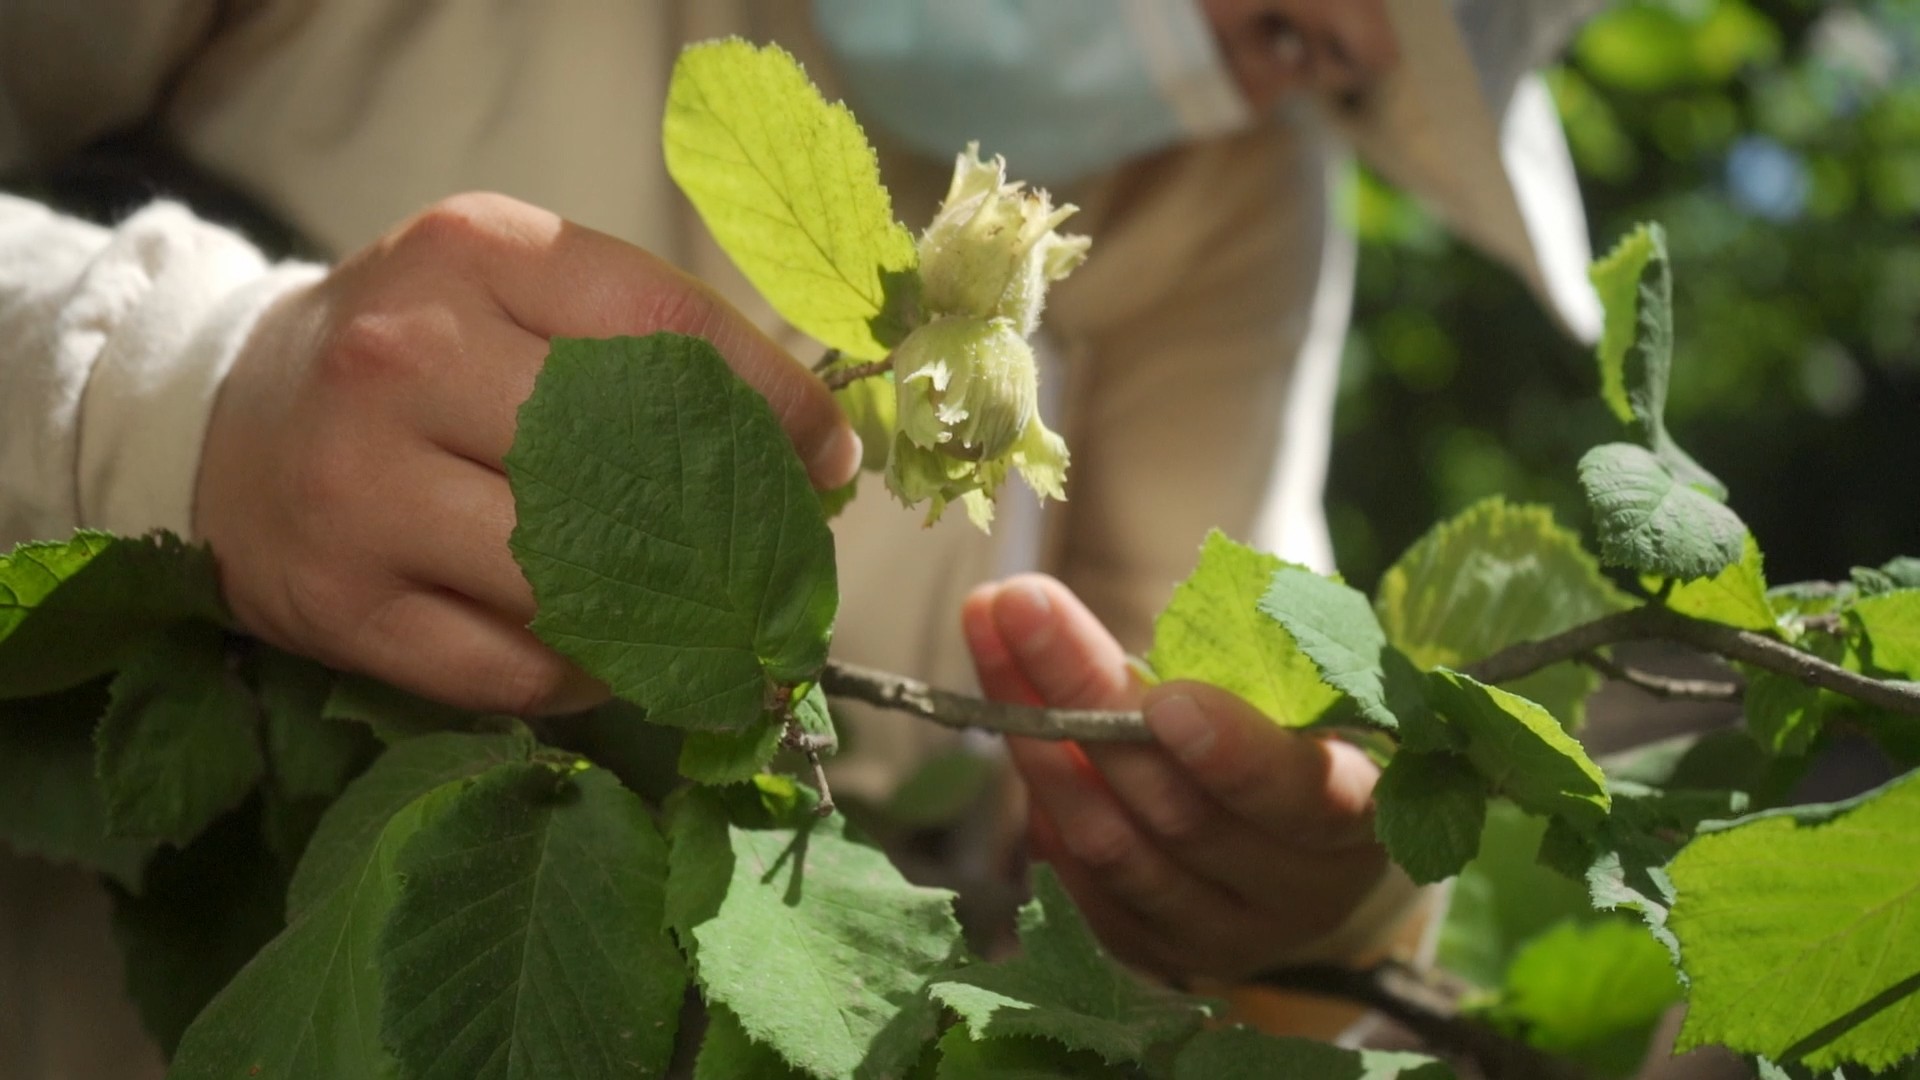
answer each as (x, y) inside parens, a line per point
(1063, 88)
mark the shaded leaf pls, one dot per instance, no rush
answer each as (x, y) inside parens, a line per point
(1063, 986)
(1430, 810)
(51, 803)
(1504, 898)
(962, 1057)
(390, 713)
(204, 911)
(684, 563)
(354, 822)
(307, 1006)
(1520, 748)
(526, 937)
(1335, 627)
(1635, 283)
(70, 610)
(1244, 1054)
(180, 742)
(1651, 522)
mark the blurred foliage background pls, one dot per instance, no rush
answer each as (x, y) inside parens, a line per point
(1779, 142)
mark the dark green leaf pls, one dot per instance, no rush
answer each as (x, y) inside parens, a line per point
(1335, 627)
(1623, 859)
(1430, 811)
(1520, 748)
(391, 714)
(70, 610)
(1063, 986)
(727, 1054)
(354, 822)
(204, 911)
(51, 805)
(728, 757)
(1651, 522)
(685, 562)
(307, 1006)
(526, 939)
(180, 743)
(1635, 283)
(309, 755)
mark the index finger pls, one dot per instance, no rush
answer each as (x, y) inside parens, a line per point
(560, 279)
(1316, 789)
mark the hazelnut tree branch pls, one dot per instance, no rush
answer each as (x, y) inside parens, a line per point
(1650, 623)
(1664, 686)
(1428, 1010)
(890, 691)
(1655, 623)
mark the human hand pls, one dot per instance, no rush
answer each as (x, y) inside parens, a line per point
(351, 483)
(1228, 846)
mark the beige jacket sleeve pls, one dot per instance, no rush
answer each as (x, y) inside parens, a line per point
(115, 340)
(1188, 337)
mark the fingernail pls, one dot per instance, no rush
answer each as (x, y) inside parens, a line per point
(1181, 726)
(836, 460)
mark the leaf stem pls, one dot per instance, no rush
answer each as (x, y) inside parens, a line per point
(839, 378)
(795, 737)
(890, 691)
(1655, 623)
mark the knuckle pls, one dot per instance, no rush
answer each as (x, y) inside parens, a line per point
(371, 347)
(1175, 817)
(530, 682)
(1105, 844)
(457, 223)
(684, 307)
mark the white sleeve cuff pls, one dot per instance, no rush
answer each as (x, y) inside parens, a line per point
(165, 309)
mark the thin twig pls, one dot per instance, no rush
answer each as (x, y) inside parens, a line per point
(1664, 686)
(1428, 1011)
(827, 360)
(890, 691)
(795, 737)
(1653, 623)
(842, 377)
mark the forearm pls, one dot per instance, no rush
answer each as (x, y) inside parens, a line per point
(112, 346)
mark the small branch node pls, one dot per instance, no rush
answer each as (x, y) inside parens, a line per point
(840, 378)
(794, 737)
